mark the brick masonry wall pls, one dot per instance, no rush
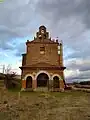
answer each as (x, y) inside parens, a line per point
(34, 56)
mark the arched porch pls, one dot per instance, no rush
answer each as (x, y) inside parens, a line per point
(42, 78)
(57, 82)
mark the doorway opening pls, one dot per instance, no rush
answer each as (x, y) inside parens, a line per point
(42, 80)
(29, 82)
(56, 82)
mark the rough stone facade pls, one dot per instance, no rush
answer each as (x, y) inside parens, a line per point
(43, 55)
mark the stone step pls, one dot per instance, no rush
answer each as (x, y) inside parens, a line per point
(42, 89)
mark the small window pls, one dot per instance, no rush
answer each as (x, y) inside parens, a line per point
(42, 50)
(58, 52)
(59, 47)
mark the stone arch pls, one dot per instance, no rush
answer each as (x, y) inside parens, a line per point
(27, 76)
(42, 71)
(42, 78)
(24, 81)
(57, 76)
(56, 81)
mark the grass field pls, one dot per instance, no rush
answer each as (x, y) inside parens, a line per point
(71, 105)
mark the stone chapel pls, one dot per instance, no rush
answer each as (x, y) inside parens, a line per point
(42, 64)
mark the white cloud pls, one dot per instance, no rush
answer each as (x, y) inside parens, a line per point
(67, 19)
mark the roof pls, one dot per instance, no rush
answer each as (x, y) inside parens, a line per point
(47, 41)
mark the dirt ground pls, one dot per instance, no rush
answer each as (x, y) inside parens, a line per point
(69, 105)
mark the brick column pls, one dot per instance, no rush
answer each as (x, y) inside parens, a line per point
(61, 85)
(34, 84)
(23, 84)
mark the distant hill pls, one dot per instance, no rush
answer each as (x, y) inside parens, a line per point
(84, 83)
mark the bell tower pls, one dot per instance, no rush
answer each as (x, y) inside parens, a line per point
(42, 34)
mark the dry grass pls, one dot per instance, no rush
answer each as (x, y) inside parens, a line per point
(71, 105)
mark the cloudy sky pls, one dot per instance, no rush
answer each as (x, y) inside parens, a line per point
(69, 20)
